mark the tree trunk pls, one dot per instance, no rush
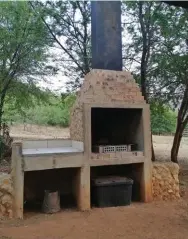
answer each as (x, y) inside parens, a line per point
(1, 113)
(182, 121)
(1, 109)
(2, 101)
(176, 142)
(1, 143)
(152, 150)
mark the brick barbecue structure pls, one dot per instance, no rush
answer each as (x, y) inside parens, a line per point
(110, 110)
(109, 130)
(110, 135)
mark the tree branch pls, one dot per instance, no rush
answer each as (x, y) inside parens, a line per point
(58, 42)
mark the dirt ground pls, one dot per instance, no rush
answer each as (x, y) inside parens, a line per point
(25, 131)
(156, 220)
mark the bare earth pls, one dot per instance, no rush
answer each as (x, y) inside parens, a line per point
(156, 220)
(139, 221)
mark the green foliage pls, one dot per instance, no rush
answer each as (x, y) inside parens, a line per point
(23, 55)
(23, 40)
(56, 112)
(163, 119)
(159, 48)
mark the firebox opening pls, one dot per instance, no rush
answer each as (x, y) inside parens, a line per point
(133, 171)
(36, 182)
(117, 126)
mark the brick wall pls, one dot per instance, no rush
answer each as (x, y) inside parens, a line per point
(103, 86)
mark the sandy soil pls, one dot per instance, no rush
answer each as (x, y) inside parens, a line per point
(28, 131)
(156, 220)
(162, 147)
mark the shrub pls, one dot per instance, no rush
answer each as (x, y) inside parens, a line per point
(56, 112)
(163, 119)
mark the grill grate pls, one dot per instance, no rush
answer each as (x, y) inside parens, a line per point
(108, 149)
(121, 148)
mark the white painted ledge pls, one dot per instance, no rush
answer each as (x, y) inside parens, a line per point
(48, 147)
(44, 151)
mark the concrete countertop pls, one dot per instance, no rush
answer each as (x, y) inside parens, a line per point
(47, 151)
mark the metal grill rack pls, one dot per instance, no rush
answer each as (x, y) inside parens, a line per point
(113, 148)
(108, 149)
(121, 148)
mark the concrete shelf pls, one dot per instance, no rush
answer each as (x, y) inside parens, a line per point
(52, 161)
(47, 151)
(51, 154)
(116, 161)
(51, 146)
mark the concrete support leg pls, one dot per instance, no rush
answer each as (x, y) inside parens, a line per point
(146, 183)
(146, 176)
(82, 188)
(18, 180)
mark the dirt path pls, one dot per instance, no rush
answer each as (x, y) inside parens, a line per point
(139, 221)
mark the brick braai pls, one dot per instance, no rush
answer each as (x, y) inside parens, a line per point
(111, 113)
(100, 87)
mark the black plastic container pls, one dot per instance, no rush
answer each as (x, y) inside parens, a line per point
(111, 191)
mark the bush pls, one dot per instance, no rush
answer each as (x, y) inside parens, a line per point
(163, 119)
(56, 112)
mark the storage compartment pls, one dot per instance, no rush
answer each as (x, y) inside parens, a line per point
(132, 171)
(53, 180)
(111, 191)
